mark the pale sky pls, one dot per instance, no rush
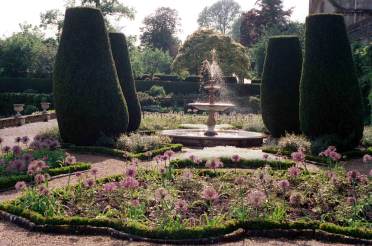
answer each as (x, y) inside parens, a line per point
(13, 12)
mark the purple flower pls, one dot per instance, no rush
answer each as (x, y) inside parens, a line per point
(27, 157)
(351, 200)
(181, 206)
(135, 203)
(235, 158)
(352, 176)
(25, 139)
(129, 183)
(195, 159)
(78, 174)
(294, 171)
(161, 194)
(213, 164)
(187, 174)
(209, 193)
(239, 180)
(158, 159)
(17, 139)
(70, 160)
(283, 184)
(94, 171)
(17, 150)
(6, 149)
(367, 158)
(266, 156)
(131, 171)
(296, 199)
(109, 187)
(298, 156)
(370, 173)
(21, 185)
(331, 152)
(256, 198)
(54, 144)
(89, 183)
(39, 178)
(169, 153)
(162, 171)
(18, 165)
(44, 191)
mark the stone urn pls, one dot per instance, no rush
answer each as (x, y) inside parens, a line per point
(45, 106)
(18, 108)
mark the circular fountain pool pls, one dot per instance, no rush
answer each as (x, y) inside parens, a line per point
(197, 138)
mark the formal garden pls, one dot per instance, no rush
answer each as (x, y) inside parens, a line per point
(196, 155)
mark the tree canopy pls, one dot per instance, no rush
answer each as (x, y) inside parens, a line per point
(232, 56)
(220, 16)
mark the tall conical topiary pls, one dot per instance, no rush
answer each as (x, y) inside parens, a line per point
(330, 102)
(120, 52)
(88, 98)
(280, 85)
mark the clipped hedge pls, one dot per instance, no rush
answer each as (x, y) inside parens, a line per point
(88, 98)
(120, 53)
(242, 164)
(124, 154)
(11, 180)
(29, 99)
(280, 85)
(26, 84)
(330, 103)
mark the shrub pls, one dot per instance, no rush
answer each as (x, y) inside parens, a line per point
(88, 97)
(157, 91)
(292, 142)
(8, 99)
(330, 104)
(321, 143)
(49, 133)
(280, 85)
(120, 53)
(367, 136)
(141, 143)
(24, 84)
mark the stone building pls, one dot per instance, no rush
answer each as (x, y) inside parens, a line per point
(357, 14)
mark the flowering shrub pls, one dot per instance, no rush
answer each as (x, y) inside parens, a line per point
(140, 143)
(293, 142)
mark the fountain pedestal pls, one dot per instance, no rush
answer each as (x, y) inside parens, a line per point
(211, 124)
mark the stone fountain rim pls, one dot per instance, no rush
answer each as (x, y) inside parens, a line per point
(252, 135)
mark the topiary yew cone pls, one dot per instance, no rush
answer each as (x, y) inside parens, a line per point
(88, 98)
(280, 85)
(120, 53)
(330, 102)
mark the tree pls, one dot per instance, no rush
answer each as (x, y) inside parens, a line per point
(27, 53)
(120, 53)
(160, 29)
(270, 13)
(220, 16)
(280, 85)
(330, 101)
(232, 56)
(155, 61)
(88, 98)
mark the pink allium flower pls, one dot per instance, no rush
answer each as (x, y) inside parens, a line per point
(158, 159)
(17, 139)
(134, 162)
(209, 193)
(162, 171)
(27, 157)
(94, 171)
(367, 158)
(169, 153)
(89, 183)
(294, 171)
(33, 168)
(181, 206)
(39, 178)
(266, 156)
(187, 174)
(331, 152)
(161, 194)
(298, 156)
(235, 158)
(129, 183)
(54, 144)
(256, 198)
(363, 179)
(351, 200)
(6, 149)
(283, 184)
(44, 191)
(18, 165)
(239, 180)
(41, 164)
(131, 171)
(295, 199)
(17, 150)
(135, 203)
(335, 156)
(352, 176)
(195, 159)
(370, 173)
(331, 175)
(25, 139)
(213, 164)
(78, 174)
(21, 185)
(70, 160)
(109, 187)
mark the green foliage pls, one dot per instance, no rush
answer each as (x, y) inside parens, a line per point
(157, 91)
(291, 143)
(25, 84)
(137, 143)
(155, 61)
(330, 103)
(367, 136)
(8, 99)
(120, 53)
(88, 98)
(280, 85)
(232, 56)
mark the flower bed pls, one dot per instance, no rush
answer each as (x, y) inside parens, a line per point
(193, 204)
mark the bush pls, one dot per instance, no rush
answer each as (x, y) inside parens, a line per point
(25, 84)
(8, 99)
(321, 143)
(330, 104)
(367, 136)
(280, 85)
(193, 78)
(157, 91)
(120, 53)
(230, 80)
(292, 142)
(163, 77)
(140, 143)
(88, 97)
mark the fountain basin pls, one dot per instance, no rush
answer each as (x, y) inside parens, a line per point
(217, 107)
(197, 138)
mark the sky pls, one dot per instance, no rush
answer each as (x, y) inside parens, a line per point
(13, 12)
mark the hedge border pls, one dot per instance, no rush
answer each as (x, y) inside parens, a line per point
(242, 164)
(9, 181)
(123, 154)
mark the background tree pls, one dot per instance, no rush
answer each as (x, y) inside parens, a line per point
(232, 56)
(220, 16)
(269, 14)
(160, 29)
(155, 61)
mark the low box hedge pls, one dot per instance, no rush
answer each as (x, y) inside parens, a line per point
(9, 181)
(36, 85)
(242, 164)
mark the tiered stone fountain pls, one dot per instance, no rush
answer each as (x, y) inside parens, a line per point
(213, 85)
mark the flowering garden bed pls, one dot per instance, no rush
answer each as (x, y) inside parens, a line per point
(42, 156)
(185, 204)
